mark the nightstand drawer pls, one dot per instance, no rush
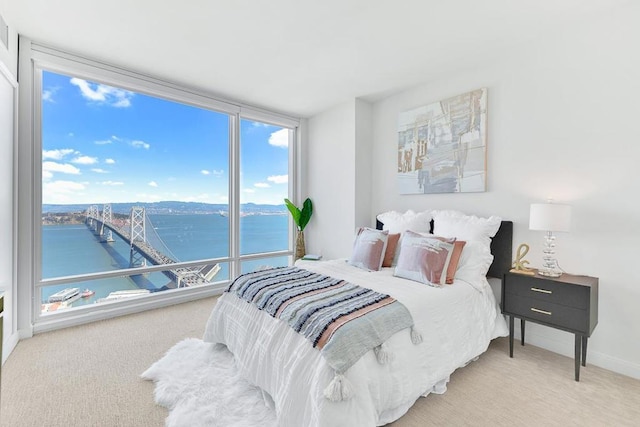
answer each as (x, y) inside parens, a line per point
(549, 291)
(553, 314)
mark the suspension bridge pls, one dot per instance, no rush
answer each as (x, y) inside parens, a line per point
(134, 232)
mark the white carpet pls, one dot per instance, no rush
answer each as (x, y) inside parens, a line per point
(199, 383)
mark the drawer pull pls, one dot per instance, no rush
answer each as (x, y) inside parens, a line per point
(544, 291)
(548, 313)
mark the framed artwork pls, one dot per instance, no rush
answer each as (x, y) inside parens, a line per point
(442, 147)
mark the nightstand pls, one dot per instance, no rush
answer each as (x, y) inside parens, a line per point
(567, 302)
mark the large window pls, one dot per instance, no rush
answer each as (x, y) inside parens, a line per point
(264, 172)
(145, 187)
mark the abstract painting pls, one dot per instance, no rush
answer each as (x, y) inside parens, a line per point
(442, 147)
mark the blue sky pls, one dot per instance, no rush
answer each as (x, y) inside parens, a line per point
(102, 144)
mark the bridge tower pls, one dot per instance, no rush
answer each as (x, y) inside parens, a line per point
(107, 218)
(92, 216)
(137, 235)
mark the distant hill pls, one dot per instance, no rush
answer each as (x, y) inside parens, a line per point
(169, 207)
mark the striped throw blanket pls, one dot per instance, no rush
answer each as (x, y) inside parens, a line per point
(341, 319)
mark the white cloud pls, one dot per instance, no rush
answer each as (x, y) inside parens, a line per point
(47, 175)
(249, 190)
(261, 185)
(111, 183)
(98, 170)
(56, 154)
(85, 160)
(103, 94)
(108, 141)
(60, 167)
(218, 172)
(153, 184)
(109, 161)
(280, 138)
(47, 94)
(261, 125)
(278, 179)
(205, 172)
(145, 197)
(140, 144)
(61, 191)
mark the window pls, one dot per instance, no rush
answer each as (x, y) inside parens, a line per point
(148, 189)
(264, 172)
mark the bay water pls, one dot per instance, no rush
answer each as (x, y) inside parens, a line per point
(74, 249)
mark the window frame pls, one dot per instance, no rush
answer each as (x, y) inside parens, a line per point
(34, 58)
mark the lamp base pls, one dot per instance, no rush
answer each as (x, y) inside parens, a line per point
(549, 273)
(549, 263)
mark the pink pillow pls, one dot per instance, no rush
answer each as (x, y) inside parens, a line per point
(390, 252)
(369, 249)
(424, 259)
(458, 245)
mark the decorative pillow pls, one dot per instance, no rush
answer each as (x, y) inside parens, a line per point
(458, 246)
(424, 259)
(390, 252)
(465, 227)
(397, 222)
(369, 249)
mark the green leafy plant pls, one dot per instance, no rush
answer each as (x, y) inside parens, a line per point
(300, 217)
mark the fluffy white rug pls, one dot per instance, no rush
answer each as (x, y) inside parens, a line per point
(199, 383)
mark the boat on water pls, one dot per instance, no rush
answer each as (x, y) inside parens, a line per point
(67, 295)
(87, 293)
(129, 293)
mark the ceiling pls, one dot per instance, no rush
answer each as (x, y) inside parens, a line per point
(298, 57)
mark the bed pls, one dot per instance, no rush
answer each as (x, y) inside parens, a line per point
(456, 324)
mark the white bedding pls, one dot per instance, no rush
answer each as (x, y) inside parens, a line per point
(457, 322)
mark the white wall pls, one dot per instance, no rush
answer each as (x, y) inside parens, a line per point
(363, 164)
(562, 123)
(8, 95)
(9, 57)
(330, 153)
(338, 177)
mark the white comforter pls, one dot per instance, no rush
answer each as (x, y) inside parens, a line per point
(457, 322)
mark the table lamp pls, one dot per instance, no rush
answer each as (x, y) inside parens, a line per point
(549, 217)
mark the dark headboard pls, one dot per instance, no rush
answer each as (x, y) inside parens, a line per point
(501, 248)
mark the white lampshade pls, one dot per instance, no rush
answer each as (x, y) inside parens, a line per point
(550, 217)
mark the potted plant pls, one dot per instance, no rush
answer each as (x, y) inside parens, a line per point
(301, 219)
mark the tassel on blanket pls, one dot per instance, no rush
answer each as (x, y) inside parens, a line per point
(339, 389)
(382, 355)
(416, 337)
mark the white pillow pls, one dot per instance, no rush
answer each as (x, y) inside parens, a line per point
(369, 248)
(465, 227)
(397, 222)
(474, 263)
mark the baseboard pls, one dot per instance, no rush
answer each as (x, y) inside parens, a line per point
(9, 344)
(566, 348)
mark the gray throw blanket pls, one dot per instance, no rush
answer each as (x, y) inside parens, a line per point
(341, 319)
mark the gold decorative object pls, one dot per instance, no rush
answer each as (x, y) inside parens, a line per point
(519, 265)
